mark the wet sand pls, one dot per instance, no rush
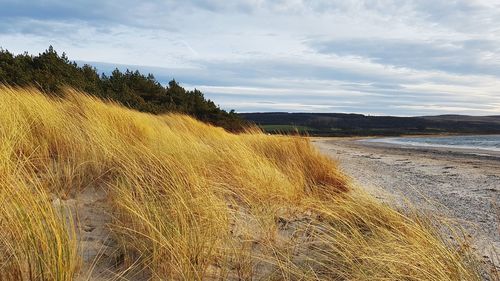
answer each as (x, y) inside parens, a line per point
(459, 184)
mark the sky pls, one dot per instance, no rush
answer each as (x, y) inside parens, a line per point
(377, 57)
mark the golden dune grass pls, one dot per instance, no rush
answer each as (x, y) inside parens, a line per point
(193, 202)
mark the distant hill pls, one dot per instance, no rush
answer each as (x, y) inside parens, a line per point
(51, 73)
(341, 124)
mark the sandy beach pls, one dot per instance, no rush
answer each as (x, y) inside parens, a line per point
(459, 184)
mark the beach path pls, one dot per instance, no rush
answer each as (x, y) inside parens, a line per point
(454, 184)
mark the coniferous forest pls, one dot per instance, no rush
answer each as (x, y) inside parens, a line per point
(51, 73)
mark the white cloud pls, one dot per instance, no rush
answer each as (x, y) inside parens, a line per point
(398, 57)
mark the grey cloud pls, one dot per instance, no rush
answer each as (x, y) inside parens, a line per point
(101, 14)
(456, 56)
(55, 10)
(463, 15)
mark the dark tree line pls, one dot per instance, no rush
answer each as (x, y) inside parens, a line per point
(51, 72)
(341, 124)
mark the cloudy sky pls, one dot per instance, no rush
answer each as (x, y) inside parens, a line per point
(401, 57)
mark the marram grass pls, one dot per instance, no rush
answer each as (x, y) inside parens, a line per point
(193, 202)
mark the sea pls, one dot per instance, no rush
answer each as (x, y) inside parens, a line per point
(481, 142)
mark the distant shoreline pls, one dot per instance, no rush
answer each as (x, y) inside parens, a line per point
(490, 151)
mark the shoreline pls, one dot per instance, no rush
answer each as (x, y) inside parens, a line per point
(493, 151)
(370, 142)
(434, 148)
(462, 185)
